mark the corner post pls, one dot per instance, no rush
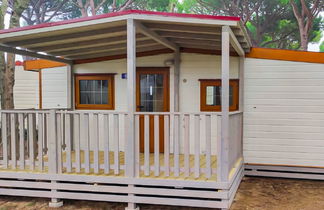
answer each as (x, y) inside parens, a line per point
(69, 87)
(224, 156)
(53, 155)
(131, 102)
(176, 80)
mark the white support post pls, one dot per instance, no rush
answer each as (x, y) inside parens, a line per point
(224, 156)
(176, 80)
(53, 154)
(241, 85)
(69, 87)
(131, 100)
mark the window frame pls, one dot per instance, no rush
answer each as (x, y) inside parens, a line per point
(218, 82)
(111, 91)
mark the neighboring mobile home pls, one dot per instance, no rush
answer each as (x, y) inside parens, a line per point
(35, 89)
(155, 108)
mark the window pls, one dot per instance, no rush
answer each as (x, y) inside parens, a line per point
(94, 91)
(211, 95)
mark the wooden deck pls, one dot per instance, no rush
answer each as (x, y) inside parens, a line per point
(120, 172)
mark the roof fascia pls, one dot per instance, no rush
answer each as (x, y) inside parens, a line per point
(150, 17)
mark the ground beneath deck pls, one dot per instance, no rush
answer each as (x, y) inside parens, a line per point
(254, 193)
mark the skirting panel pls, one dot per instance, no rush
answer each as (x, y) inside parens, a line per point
(284, 172)
(142, 191)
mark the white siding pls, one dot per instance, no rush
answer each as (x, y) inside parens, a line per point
(26, 89)
(284, 113)
(54, 88)
(193, 68)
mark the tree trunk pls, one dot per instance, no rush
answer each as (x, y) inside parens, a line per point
(8, 67)
(9, 82)
(303, 39)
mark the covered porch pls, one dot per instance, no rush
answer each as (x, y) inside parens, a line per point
(190, 156)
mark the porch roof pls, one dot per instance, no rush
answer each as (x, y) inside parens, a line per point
(106, 35)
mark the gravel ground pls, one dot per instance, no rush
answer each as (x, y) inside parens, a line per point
(254, 193)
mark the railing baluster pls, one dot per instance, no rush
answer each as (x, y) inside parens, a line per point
(219, 148)
(13, 140)
(197, 146)
(21, 141)
(87, 144)
(68, 142)
(166, 145)
(4, 140)
(84, 127)
(208, 145)
(146, 145)
(176, 142)
(40, 141)
(186, 141)
(137, 146)
(76, 136)
(156, 145)
(95, 141)
(116, 139)
(59, 134)
(31, 135)
(104, 137)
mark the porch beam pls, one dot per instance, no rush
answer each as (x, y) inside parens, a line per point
(33, 54)
(116, 52)
(233, 41)
(147, 32)
(195, 41)
(84, 44)
(131, 97)
(103, 48)
(224, 153)
(87, 34)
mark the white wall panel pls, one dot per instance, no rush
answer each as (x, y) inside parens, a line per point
(54, 88)
(26, 89)
(284, 113)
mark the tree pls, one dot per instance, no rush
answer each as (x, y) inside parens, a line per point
(240, 8)
(322, 47)
(16, 8)
(42, 11)
(94, 7)
(305, 12)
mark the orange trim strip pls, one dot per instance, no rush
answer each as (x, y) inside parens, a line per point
(41, 64)
(286, 55)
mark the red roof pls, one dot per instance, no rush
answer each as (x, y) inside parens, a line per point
(114, 14)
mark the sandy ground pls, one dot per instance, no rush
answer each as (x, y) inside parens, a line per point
(254, 193)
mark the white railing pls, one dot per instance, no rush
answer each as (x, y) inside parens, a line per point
(189, 141)
(173, 145)
(24, 140)
(235, 138)
(91, 142)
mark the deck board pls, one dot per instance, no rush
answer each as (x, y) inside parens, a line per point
(121, 156)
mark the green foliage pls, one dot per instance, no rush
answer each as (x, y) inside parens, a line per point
(322, 47)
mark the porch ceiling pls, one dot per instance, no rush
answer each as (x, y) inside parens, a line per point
(108, 36)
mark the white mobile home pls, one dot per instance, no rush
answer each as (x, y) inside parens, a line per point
(155, 110)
